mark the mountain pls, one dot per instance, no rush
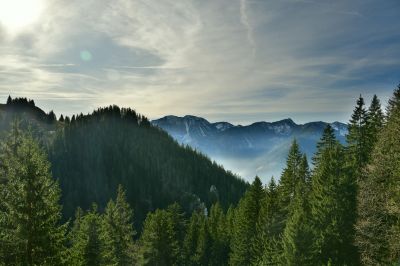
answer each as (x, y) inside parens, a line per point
(256, 149)
(92, 154)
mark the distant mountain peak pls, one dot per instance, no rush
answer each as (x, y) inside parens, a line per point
(285, 121)
(222, 126)
(258, 148)
(193, 117)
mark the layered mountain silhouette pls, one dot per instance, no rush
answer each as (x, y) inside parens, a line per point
(256, 149)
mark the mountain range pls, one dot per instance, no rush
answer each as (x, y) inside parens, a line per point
(256, 149)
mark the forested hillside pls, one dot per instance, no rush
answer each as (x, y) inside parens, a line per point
(95, 153)
(92, 154)
(343, 211)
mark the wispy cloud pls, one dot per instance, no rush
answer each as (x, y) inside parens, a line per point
(244, 19)
(241, 60)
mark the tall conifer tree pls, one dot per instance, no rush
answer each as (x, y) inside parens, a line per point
(297, 237)
(244, 231)
(30, 214)
(332, 234)
(118, 232)
(219, 236)
(394, 101)
(357, 136)
(203, 248)
(161, 240)
(290, 178)
(87, 247)
(378, 226)
(375, 120)
(192, 238)
(269, 227)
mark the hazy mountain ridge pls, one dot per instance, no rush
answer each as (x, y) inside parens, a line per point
(244, 149)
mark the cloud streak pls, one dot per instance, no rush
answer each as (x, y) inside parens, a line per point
(244, 19)
(200, 57)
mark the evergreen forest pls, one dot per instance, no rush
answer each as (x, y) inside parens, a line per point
(108, 188)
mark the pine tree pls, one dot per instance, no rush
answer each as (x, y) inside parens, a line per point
(9, 100)
(329, 203)
(191, 238)
(160, 243)
(394, 101)
(278, 206)
(375, 120)
(30, 215)
(378, 225)
(244, 231)
(177, 217)
(269, 228)
(217, 227)
(290, 178)
(51, 117)
(203, 247)
(118, 232)
(297, 237)
(230, 219)
(357, 136)
(87, 247)
(305, 174)
(327, 141)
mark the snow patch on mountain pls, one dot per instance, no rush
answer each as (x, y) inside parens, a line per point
(340, 128)
(202, 131)
(222, 126)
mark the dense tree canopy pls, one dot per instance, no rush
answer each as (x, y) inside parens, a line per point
(30, 213)
(116, 146)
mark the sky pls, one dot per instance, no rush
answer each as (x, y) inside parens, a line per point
(226, 60)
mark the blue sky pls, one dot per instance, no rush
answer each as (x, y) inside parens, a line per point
(234, 60)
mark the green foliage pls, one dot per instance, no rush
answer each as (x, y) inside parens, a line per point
(118, 232)
(218, 230)
(297, 240)
(192, 238)
(330, 204)
(306, 219)
(203, 247)
(26, 107)
(160, 242)
(357, 137)
(393, 103)
(95, 153)
(290, 178)
(269, 227)
(375, 121)
(244, 230)
(230, 219)
(378, 226)
(207, 238)
(30, 214)
(87, 246)
(297, 237)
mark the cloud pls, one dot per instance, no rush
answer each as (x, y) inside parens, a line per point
(200, 57)
(244, 19)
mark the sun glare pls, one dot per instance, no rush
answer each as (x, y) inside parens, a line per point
(16, 15)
